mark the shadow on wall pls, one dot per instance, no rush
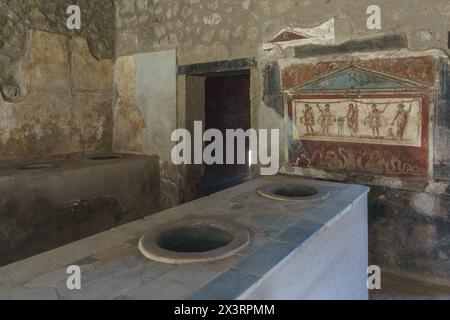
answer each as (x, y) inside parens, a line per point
(410, 232)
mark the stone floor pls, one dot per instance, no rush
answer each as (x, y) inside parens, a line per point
(400, 287)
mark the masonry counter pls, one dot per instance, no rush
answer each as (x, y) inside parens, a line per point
(299, 239)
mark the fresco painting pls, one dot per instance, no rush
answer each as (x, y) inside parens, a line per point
(354, 117)
(373, 121)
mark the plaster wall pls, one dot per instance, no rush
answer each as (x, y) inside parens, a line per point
(56, 85)
(145, 112)
(66, 110)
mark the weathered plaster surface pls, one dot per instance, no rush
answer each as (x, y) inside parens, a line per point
(63, 112)
(145, 112)
(156, 98)
(129, 125)
(18, 18)
(145, 101)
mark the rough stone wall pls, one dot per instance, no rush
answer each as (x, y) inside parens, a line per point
(222, 29)
(402, 237)
(56, 93)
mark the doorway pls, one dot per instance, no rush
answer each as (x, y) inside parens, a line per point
(227, 106)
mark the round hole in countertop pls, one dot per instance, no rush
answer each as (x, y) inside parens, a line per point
(292, 192)
(105, 157)
(194, 239)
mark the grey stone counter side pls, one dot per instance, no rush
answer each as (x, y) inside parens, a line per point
(113, 268)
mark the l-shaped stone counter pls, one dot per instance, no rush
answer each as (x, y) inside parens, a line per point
(298, 250)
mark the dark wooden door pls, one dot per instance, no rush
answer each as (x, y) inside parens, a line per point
(227, 106)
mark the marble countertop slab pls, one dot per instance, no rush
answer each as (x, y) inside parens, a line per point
(113, 268)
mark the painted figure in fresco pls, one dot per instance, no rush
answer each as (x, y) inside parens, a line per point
(401, 119)
(308, 119)
(353, 119)
(373, 120)
(341, 125)
(326, 119)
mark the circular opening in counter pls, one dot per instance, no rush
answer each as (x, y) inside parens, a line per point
(35, 167)
(292, 192)
(105, 157)
(296, 191)
(194, 240)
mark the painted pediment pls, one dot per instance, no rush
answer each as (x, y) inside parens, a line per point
(289, 37)
(357, 79)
